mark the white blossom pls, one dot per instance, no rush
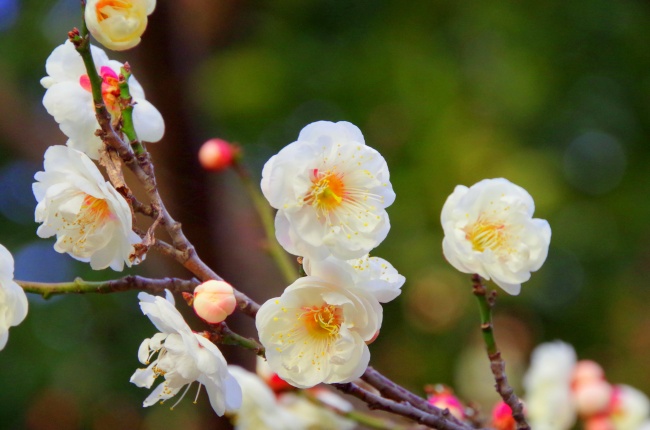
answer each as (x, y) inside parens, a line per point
(331, 191)
(489, 230)
(183, 357)
(69, 100)
(372, 274)
(13, 302)
(311, 416)
(118, 24)
(317, 330)
(91, 220)
(630, 408)
(549, 402)
(259, 409)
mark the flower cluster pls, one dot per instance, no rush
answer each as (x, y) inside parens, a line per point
(560, 389)
(69, 99)
(331, 191)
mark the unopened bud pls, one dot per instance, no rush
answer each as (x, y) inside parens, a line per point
(587, 371)
(502, 417)
(592, 397)
(217, 154)
(214, 301)
(599, 422)
(443, 398)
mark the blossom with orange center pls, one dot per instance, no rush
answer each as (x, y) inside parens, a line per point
(69, 100)
(490, 230)
(317, 330)
(118, 24)
(91, 220)
(331, 192)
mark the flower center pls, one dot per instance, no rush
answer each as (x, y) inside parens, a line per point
(486, 235)
(322, 322)
(110, 88)
(327, 190)
(120, 5)
(93, 210)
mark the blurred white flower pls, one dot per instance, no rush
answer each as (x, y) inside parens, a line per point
(317, 330)
(259, 409)
(69, 100)
(489, 230)
(372, 274)
(311, 416)
(549, 402)
(630, 408)
(91, 220)
(331, 191)
(183, 357)
(13, 302)
(118, 24)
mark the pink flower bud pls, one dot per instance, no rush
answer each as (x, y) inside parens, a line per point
(502, 417)
(443, 398)
(217, 154)
(599, 422)
(592, 397)
(587, 371)
(214, 301)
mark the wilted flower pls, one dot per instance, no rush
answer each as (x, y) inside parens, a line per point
(489, 230)
(118, 24)
(317, 330)
(13, 302)
(549, 403)
(331, 191)
(214, 301)
(183, 357)
(91, 220)
(69, 100)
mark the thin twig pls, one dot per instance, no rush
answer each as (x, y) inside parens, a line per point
(128, 283)
(404, 409)
(497, 364)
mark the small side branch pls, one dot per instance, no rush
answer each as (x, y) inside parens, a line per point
(128, 283)
(221, 333)
(497, 364)
(404, 409)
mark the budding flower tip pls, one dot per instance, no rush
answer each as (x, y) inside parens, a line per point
(217, 154)
(214, 300)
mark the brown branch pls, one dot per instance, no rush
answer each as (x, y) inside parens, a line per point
(391, 390)
(404, 409)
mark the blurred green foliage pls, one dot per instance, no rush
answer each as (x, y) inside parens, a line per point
(554, 96)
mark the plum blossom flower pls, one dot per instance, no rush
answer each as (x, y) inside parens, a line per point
(13, 302)
(118, 24)
(549, 401)
(311, 416)
(91, 220)
(630, 408)
(372, 274)
(183, 357)
(331, 191)
(259, 408)
(489, 230)
(317, 330)
(69, 100)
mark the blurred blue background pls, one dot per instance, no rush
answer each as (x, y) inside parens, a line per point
(553, 95)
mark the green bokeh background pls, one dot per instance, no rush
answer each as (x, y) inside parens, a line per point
(553, 95)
